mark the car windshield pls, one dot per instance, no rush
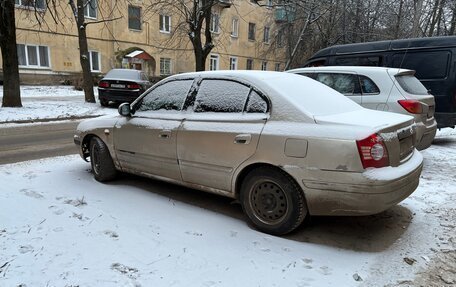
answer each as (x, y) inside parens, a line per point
(123, 74)
(411, 85)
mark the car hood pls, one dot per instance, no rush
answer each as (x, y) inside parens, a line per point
(376, 120)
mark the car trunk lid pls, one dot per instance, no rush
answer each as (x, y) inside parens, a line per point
(398, 131)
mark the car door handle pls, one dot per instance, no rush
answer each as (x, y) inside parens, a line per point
(243, 139)
(164, 134)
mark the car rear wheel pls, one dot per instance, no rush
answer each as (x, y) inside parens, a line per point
(102, 165)
(272, 200)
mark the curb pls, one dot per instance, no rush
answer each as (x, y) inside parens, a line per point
(31, 121)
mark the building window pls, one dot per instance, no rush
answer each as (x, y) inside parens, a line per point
(94, 61)
(235, 27)
(279, 41)
(264, 66)
(252, 29)
(214, 62)
(215, 23)
(134, 17)
(90, 10)
(266, 35)
(33, 56)
(165, 23)
(233, 63)
(165, 66)
(36, 4)
(249, 64)
(277, 67)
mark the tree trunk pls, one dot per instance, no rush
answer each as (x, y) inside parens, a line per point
(87, 81)
(453, 21)
(398, 22)
(11, 85)
(418, 8)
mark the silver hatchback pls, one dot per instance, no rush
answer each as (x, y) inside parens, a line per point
(260, 137)
(385, 89)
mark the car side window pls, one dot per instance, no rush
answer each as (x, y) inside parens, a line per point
(169, 96)
(222, 96)
(345, 84)
(256, 104)
(368, 87)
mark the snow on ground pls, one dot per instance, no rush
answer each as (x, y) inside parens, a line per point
(51, 102)
(60, 227)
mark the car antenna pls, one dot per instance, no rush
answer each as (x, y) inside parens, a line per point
(400, 67)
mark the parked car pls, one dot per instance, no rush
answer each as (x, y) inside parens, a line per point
(433, 59)
(122, 85)
(385, 89)
(261, 137)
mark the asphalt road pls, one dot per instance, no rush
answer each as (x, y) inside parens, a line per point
(28, 142)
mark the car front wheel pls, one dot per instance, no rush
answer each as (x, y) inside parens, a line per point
(272, 200)
(102, 165)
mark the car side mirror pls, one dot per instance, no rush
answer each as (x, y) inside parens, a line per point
(124, 109)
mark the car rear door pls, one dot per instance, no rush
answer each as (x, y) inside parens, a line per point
(218, 136)
(146, 141)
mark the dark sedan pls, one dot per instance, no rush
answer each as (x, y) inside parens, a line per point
(122, 85)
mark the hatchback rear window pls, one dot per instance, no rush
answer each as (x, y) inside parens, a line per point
(411, 85)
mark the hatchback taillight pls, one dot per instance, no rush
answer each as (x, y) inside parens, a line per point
(103, 84)
(372, 151)
(411, 106)
(133, 86)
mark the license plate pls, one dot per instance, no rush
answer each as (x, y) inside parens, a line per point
(117, 86)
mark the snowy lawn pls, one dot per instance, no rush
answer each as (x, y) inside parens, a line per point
(59, 227)
(51, 102)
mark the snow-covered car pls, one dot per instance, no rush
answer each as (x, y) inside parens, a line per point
(386, 89)
(122, 85)
(263, 138)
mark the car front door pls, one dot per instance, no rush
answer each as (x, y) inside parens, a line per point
(221, 133)
(146, 141)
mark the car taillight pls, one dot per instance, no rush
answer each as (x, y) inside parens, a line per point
(133, 86)
(411, 106)
(372, 151)
(103, 84)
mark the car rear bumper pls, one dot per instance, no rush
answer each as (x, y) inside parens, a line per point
(370, 192)
(425, 134)
(118, 96)
(445, 120)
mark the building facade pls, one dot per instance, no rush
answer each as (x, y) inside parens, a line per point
(135, 34)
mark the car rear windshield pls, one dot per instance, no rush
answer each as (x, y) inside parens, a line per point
(411, 85)
(123, 74)
(314, 98)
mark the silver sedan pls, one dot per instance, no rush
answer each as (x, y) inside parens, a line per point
(264, 138)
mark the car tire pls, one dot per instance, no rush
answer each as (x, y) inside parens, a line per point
(101, 161)
(104, 103)
(272, 200)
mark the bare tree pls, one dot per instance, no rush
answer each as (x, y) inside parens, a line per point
(11, 88)
(194, 18)
(78, 8)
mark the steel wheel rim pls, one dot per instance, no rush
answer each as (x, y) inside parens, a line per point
(268, 202)
(96, 159)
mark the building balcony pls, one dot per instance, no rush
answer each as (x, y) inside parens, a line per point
(285, 14)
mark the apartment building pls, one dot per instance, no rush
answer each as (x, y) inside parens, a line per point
(135, 34)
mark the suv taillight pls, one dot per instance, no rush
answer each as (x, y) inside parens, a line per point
(411, 106)
(103, 84)
(372, 151)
